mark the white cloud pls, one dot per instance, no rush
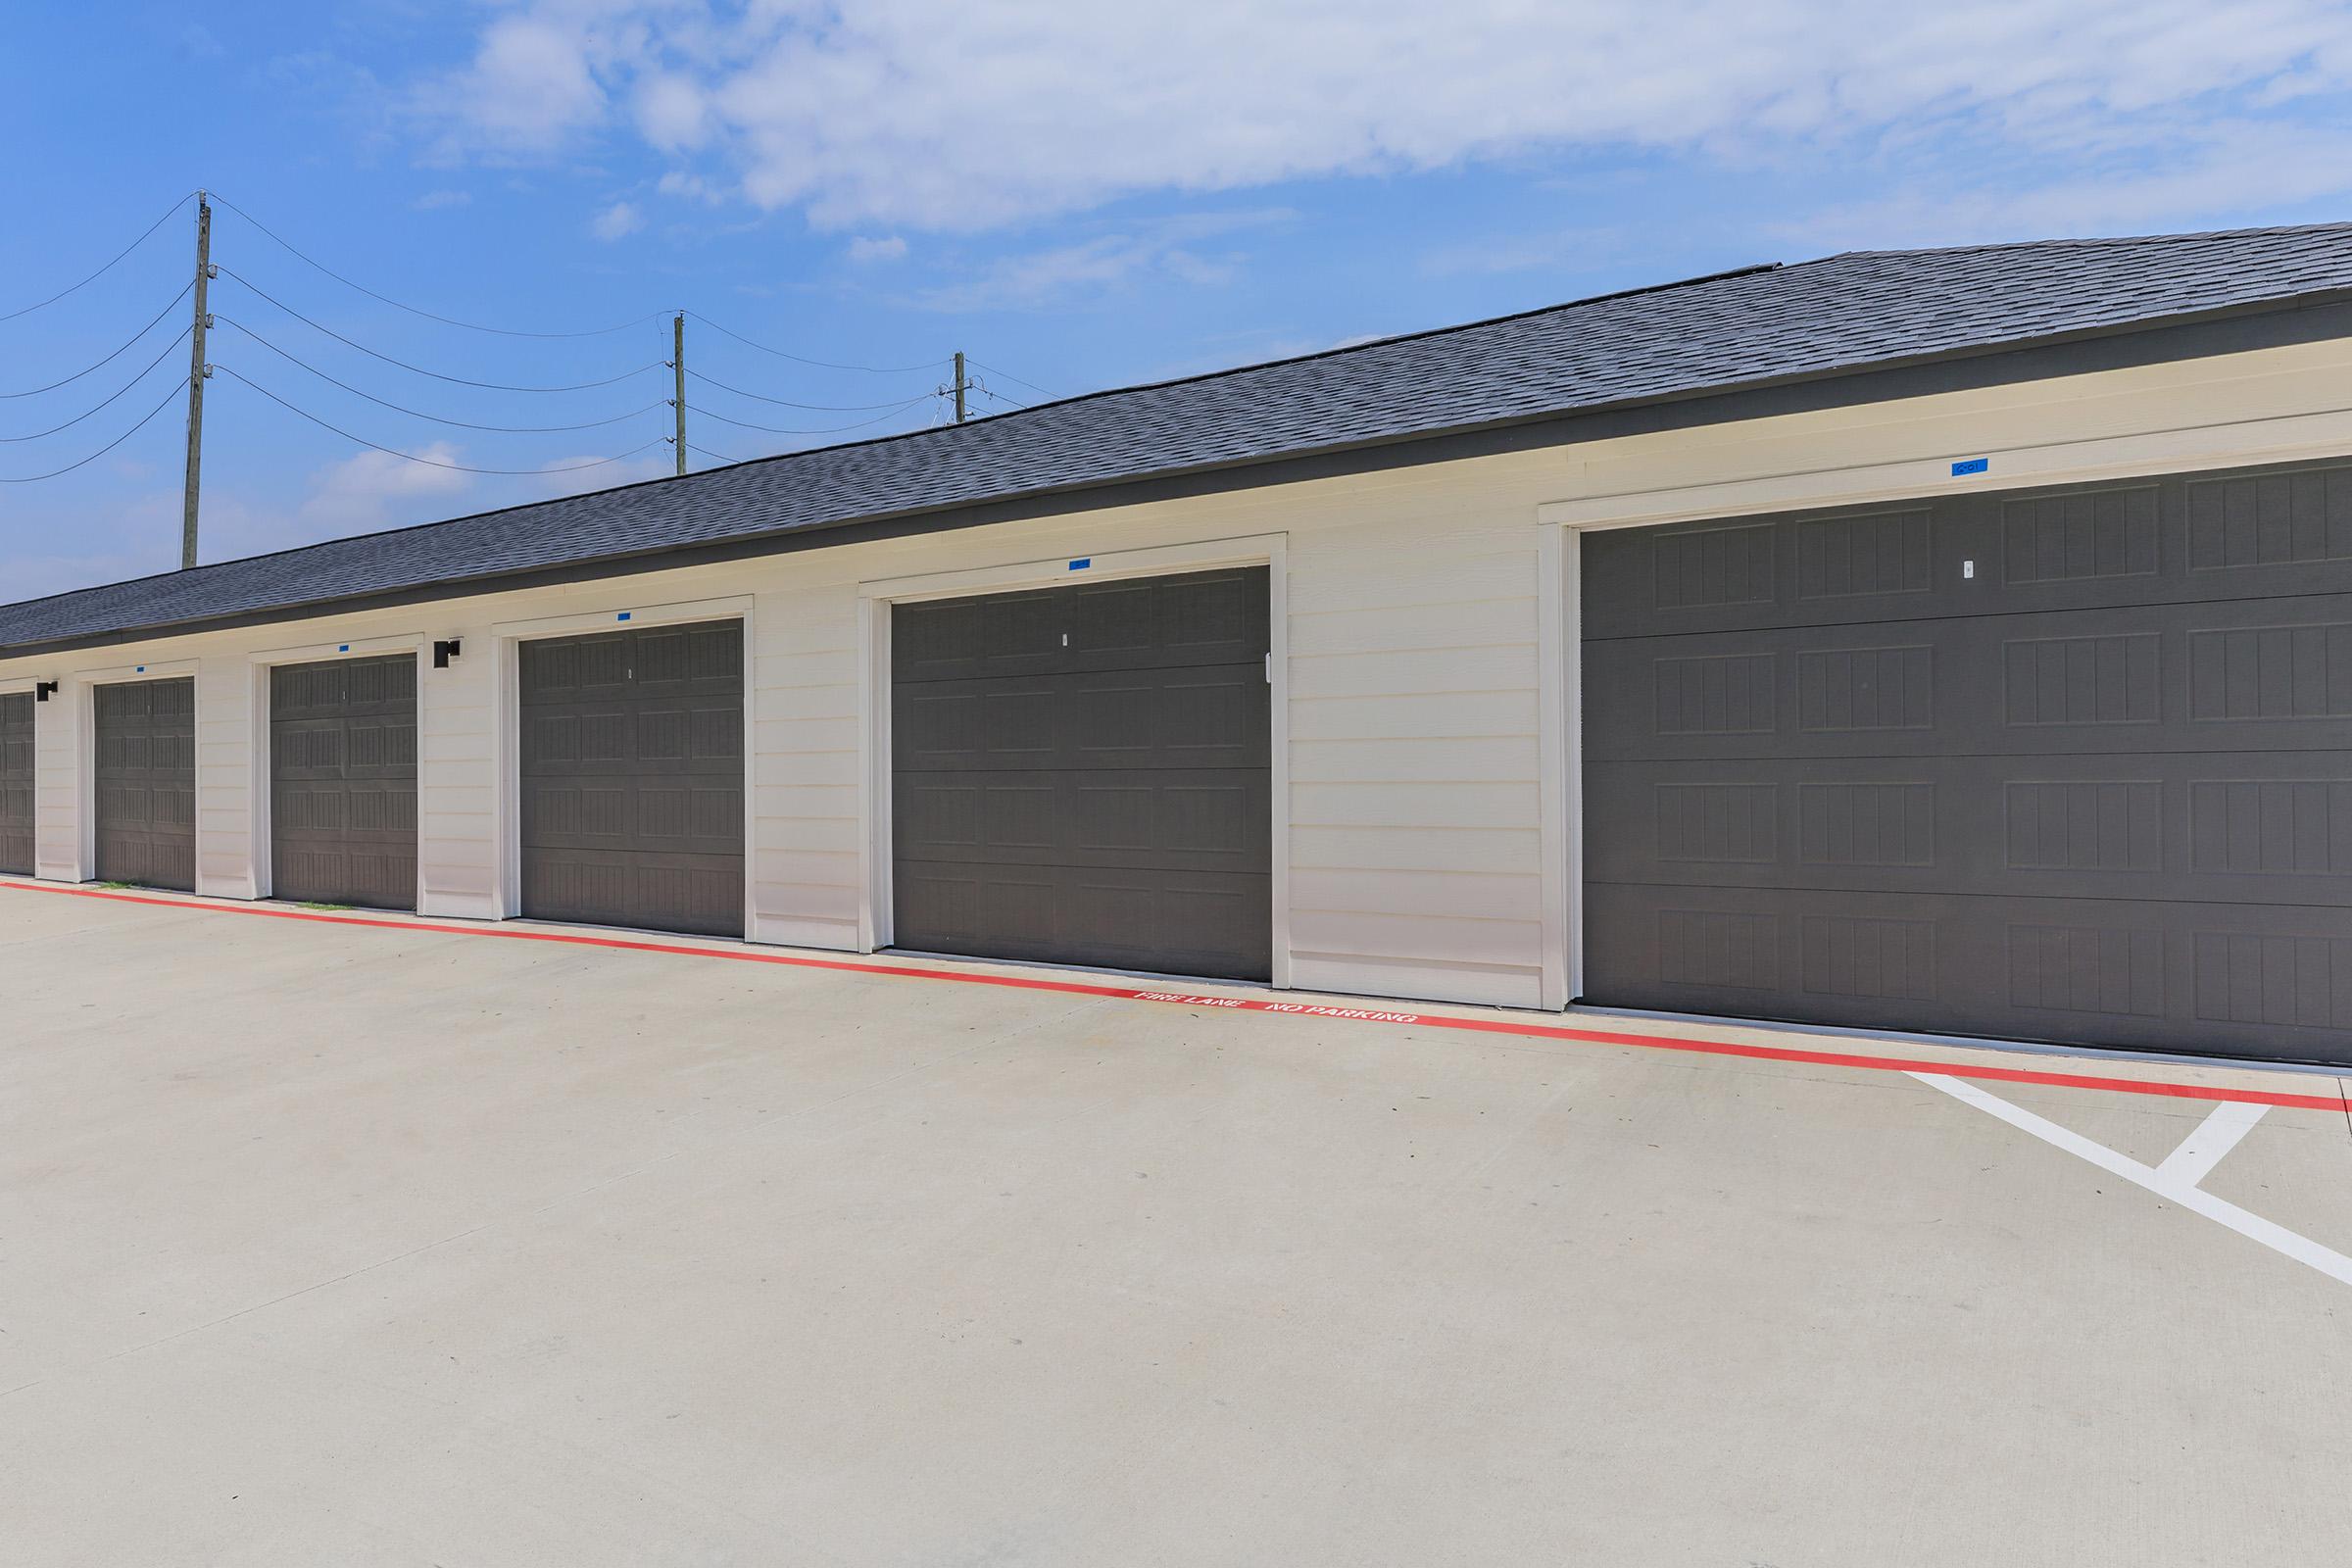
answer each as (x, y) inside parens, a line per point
(434, 200)
(364, 490)
(531, 83)
(939, 113)
(671, 112)
(617, 221)
(1173, 247)
(890, 248)
(689, 187)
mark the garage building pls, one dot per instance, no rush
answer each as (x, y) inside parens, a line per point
(1953, 641)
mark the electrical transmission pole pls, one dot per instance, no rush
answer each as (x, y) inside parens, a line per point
(197, 371)
(678, 365)
(961, 384)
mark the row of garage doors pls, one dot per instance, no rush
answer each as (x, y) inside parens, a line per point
(2070, 765)
(1081, 775)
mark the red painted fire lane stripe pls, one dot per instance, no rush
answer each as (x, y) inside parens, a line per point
(1304, 1009)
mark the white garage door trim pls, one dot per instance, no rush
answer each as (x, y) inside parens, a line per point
(876, 598)
(79, 689)
(2229, 444)
(505, 714)
(261, 860)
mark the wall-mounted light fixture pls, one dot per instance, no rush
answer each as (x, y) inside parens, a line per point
(43, 690)
(444, 652)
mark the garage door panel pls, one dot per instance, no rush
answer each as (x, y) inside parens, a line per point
(1192, 716)
(1083, 774)
(2096, 785)
(2249, 533)
(1213, 618)
(632, 778)
(1178, 820)
(16, 782)
(2274, 674)
(1187, 923)
(343, 781)
(696, 894)
(144, 743)
(2225, 827)
(2210, 978)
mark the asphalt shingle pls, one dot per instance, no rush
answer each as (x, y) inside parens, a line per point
(1843, 314)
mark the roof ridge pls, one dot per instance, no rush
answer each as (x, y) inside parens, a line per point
(2092, 240)
(182, 574)
(1727, 330)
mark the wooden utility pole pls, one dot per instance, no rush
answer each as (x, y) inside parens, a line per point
(197, 371)
(677, 366)
(961, 384)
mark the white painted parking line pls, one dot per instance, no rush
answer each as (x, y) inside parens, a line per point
(2277, 1238)
(2215, 1137)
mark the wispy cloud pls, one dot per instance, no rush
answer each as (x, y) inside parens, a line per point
(935, 115)
(888, 248)
(1179, 247)
(617, 221)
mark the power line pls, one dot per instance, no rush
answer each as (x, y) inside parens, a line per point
(985, 390)
(419, 370)
(715, 456)
(33, 478)
(31, 392)
(787, 403)
(430, 462)
(831, 430)
(109, 266)
(446, 320)
(1009, 376)
(125, 387)
(419, 413)
(825, 365)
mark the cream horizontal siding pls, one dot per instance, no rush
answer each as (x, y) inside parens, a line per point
(226, 819)
(807, 766)
(461, 795)
(57, 784)
(1414, 799)
(1415, 759)
(1500, 851)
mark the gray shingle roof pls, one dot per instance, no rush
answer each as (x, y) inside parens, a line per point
(1843, 314)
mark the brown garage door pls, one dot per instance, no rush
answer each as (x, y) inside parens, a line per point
(343, 781)
(632, 778)
(146, 783)
(2069, 764)
(16, 782)
(1081, 775)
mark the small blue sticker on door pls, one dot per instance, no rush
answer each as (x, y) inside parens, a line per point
(1082, 563)
(623, 615)
(1970, 466)
(343, 648)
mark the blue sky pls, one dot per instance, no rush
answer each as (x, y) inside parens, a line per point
(1078, 195)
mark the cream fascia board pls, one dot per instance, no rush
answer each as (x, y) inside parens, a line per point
(2278, 440)
(626, 617)
(115, 674)
(361, 647)
(1250, 550)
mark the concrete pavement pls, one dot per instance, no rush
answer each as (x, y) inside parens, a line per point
(367, 1245)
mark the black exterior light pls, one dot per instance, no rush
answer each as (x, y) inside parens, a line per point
(444, 652)
(43, 690)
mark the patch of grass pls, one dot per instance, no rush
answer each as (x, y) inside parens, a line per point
(117, 887)
(307, 905)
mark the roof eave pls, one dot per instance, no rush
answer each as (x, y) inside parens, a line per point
(1107, 492)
